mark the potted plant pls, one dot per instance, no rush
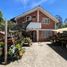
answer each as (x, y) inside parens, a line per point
(26, 42)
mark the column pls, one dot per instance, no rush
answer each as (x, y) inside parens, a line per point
(37, 35)
(37, 15)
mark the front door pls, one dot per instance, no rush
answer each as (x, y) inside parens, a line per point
(33, 36)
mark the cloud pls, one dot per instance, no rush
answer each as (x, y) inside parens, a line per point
(31, 3)
(27, 4)
(39, 3)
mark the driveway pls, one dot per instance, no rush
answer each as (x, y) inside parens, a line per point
(39, 55)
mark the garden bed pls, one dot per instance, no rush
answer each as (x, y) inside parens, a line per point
(14, 52)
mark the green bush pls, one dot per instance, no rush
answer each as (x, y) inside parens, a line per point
(20, 49)
(18, 46)
(2, 44)
(11, 50)
(1, 48)
(16, 51)
(26, 40)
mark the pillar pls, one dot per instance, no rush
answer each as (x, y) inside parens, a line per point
(37, 35)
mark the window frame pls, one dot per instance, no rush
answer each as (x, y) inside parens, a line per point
(28, 17)
(45, 19)
(46, 33)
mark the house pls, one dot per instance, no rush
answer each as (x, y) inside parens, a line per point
(41, 25)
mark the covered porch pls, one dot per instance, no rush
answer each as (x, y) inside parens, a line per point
(40, 34)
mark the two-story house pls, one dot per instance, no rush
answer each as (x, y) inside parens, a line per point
(42, 23)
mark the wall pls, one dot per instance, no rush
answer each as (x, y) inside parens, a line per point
(51, 25)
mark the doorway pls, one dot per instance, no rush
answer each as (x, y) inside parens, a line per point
(33, 36)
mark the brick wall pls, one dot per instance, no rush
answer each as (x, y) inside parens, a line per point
(51, 25)
(23, 19)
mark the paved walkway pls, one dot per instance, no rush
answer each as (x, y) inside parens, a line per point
(39, 55)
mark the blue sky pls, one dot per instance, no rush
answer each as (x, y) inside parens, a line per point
(12, 8)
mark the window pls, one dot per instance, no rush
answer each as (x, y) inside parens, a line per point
(46, 20)
(33, 16)
(47, 33)
(28, 18)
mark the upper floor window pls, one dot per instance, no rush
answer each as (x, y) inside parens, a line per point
(28, 18)
(46, 20)
(33, 16)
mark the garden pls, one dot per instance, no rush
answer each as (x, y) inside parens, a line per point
(17, 38)
(15, 48)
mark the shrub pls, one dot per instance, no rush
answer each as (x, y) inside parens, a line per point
(16, 51)
(2, 44)
(18, 46)
(1, 48)
(20, 50)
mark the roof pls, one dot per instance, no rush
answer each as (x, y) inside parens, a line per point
(42, 10)
(60, 30)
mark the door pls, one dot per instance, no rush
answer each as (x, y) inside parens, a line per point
(33, 36)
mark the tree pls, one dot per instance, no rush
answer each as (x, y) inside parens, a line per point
(21, 27)
(11, 24)
(65, 23)
(59, 18)
(1, 21)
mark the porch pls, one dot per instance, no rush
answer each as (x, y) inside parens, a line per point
(40, 34)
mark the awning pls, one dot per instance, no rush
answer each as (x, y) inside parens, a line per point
(60, 30)
(34, 25)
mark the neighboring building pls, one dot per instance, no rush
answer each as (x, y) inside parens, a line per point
(42, 23)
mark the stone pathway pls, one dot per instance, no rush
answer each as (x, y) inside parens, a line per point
(39, 55)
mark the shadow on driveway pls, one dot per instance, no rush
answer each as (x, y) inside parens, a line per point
(62, 51)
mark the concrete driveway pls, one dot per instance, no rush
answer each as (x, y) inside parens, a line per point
(39, 55)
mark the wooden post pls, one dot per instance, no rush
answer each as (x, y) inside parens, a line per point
(38, 15)
(37, 35)
(5, 49)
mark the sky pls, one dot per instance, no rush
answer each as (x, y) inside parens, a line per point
(13, 8)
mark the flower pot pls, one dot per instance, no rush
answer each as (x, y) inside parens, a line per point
(25, 44)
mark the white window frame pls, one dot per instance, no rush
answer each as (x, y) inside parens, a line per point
(46, 19)
(46, 33)
(30, 18)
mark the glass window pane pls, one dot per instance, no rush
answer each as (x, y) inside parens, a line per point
(46, 20)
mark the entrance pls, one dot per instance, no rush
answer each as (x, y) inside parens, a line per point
(33, 36)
